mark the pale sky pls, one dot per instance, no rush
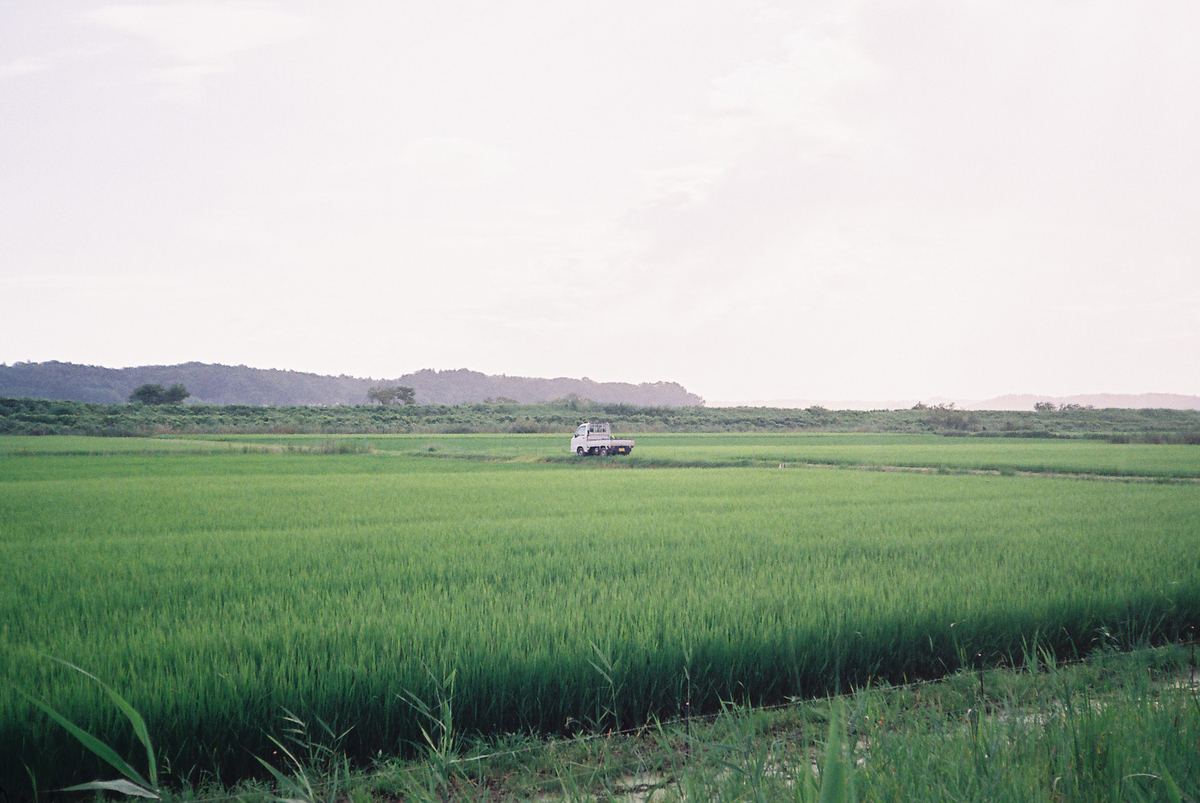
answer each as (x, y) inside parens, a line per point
(757, 200)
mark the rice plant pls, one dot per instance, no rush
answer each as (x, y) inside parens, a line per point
(216, 590)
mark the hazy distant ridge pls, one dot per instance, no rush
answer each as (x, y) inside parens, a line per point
(1131, 401)
(1012, 401)
(226, 384)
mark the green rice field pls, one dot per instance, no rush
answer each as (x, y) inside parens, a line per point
(220, 582)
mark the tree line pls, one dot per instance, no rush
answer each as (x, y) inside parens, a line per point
(49, 417)
(157, 394)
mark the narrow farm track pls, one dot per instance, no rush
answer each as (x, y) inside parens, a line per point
(976, 472)
(983, 472)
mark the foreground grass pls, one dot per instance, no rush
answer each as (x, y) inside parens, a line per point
(1118, 726)
(1115, 727)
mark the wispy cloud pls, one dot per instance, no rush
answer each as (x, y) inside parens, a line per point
(459, 162)
(795, 92)
(18, 69)
(791, 98)
(200, 39)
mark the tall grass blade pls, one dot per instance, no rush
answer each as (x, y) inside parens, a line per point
(837, 784)
(301, 792)
(124, 787)
(95, 745)
(1174, 794)
(131, 713)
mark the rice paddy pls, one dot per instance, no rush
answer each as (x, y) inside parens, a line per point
(220, 582)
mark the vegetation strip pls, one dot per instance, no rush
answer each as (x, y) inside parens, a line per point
(25, 416)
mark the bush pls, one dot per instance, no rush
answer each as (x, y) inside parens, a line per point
(157, 394)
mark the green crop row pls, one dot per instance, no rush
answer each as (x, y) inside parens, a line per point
(217, 590)
(1029, 455)
(791, 450)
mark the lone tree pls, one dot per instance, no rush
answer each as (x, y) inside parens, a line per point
(157, 394)
(397, 394)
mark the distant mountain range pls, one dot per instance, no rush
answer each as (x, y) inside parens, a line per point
(239, 384)
(230, 384)
(1128, 401)
(1014, 401)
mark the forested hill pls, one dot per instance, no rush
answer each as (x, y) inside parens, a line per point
(227, 384)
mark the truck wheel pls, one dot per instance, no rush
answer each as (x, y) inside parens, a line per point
(579, 451)
(607, 452)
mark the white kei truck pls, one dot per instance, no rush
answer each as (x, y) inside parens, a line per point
(597, 439)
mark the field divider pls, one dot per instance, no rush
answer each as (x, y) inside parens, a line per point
(885, 468)
(996, 472)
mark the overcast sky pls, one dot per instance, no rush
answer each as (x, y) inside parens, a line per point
(758, 200)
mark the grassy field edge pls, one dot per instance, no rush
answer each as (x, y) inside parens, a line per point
(1115, 725)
